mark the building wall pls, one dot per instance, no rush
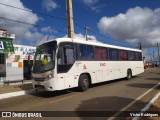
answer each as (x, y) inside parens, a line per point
(14, 62)
(13, 72)
(2, 67)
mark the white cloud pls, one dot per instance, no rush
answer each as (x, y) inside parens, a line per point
(49, 5)
(79, 36)
(92, 4)
(22, 31)
(48, 29)
(136, 25)
(17, 15)
(38, 37)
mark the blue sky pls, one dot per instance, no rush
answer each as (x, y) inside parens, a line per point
(125, 22)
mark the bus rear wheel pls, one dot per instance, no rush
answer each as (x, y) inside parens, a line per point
(83, 83)
(129, 74)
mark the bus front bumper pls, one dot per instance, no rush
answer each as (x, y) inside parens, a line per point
(47, 85)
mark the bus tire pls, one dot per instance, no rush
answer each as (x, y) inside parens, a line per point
(129, 74)
(83, 83)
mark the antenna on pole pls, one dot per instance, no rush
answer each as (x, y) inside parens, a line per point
(70, 27)
(47, 37)
(86, 29)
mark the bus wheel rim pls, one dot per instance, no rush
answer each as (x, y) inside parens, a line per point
(85, 82)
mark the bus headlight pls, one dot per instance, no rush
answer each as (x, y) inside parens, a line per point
(48, 78)
(50, 75)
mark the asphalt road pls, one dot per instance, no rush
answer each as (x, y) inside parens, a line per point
(100, 102)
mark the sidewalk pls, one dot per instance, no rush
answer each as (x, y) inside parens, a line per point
(16, 89)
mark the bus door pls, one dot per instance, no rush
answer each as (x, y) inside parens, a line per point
(65, 59)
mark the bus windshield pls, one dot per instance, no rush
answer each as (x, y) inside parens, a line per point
(44, 57)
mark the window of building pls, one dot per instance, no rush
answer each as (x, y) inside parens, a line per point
(123, 55)
(15, 48)
(21, 49)
(131, 55)
(113, 54)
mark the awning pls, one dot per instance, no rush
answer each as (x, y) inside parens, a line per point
(6, 45)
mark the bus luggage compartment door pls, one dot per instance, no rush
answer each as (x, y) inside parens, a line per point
(69, 80)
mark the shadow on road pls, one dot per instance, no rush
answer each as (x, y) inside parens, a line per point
(107, 82)
(101, 108)
(142, 85)
(155, 73)
(158, 79)
(25, 86)
(48, 94)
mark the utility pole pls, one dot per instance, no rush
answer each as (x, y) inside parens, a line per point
(86, 29)
(158, 53)
(153, 59)
(70, 27)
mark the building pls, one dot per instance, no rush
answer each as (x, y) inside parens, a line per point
(6, 46)
(19, 64)
(15, 60)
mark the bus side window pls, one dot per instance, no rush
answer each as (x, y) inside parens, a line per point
(60, 57)
(131, 56)
(113, 54)
(65, 57)
(69, 53)
(86, 52)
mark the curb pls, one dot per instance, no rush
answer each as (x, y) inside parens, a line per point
(18, 93)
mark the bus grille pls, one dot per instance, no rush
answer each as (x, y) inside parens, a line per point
(39, 79)
(39, 86)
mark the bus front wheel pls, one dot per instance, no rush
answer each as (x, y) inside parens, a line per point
(129, 74)
(83, 83)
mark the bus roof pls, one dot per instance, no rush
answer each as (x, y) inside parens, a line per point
(59, 40)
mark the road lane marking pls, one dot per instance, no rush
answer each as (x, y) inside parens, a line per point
(64, 98)
(129, 105)
(148, 105)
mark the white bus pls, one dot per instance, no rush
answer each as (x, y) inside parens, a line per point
(66, 63)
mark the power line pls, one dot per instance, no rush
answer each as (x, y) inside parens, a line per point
(33, 11)
(28, 23)
(49, 16)
(94, 32)
(102, 36)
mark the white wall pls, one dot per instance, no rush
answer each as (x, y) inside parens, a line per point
(14, 73)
